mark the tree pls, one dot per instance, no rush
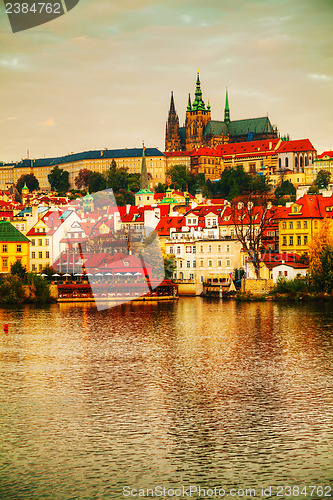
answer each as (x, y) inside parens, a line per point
(133, 182)
(160, 188)
(97, 182)
(16, 269)
(30, 180)
(179, 177)
(124, 198)
(323, 179)
(116, 178)
(82, 179)
(285, 188)
(321, 258)
(58, 179)
(251, 216)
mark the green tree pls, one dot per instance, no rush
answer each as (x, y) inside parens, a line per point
(97, 182)
(11, 290)
(116, 178)
(160, 188)
(124, 197)
(323, 179)
(38, 288)
(82, 179)
(30, 180)
(16, 269)
(179, 177)
(133, 182)
(285, 188)
(58, 179)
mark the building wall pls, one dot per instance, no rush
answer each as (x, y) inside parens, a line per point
(11, 251)
(156, 167)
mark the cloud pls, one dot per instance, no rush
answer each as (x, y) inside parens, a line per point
(48, 123)
(323, 78)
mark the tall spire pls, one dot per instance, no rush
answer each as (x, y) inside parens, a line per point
(198, 103)
(144, 183)
(189, 105)
(172, 105)
(226, 109)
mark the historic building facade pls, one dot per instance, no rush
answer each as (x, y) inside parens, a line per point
(201, 131)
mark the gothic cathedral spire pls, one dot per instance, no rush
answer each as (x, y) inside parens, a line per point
(226, 109)
(172, 132)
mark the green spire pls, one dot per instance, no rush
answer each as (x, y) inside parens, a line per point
(25, 187)
(189, 105)
(198, 103)
(226, 109)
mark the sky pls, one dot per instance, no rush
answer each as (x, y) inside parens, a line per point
(101, 75)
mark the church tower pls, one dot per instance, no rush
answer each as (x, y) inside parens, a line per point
(144, 196)
(226, 109)
(172, 133)
(197, 117)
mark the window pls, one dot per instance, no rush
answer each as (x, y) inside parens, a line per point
(188, 249)
(194, 249)
(280, 273)
(219, 263)
(209, 248)
(178, 249)
(180, 263)
(40, 255)
(284, 242)
(291, 241)
(228, 262)
(219, 248)
(5, 248)
(201, 263)
(305, 224)
(316, 224)
(188, 263)
(194, 263)
(299, 240)
(291, 225)
(47, 241)
(305, 240)
(40, 242)
(33, 268)
(228, 248)
(298, 224)
(210, 263)
(22, 227)
(171, 250)
(33, 255)
(201, 248)
(4, 262)
(232, 233)
(33, 242)
(40, 267)
(286, 273)
(47, 255)
(284, 225)
(19, 248)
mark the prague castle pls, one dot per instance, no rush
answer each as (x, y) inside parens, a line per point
(201, 131)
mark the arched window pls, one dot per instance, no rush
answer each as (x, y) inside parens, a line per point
(279, 163)
(287, 162)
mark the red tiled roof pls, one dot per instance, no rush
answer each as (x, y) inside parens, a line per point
(298, 145)
(325, 153)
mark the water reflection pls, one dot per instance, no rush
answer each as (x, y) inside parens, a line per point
(194, 392)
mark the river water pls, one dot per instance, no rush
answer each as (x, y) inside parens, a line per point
(105, 405)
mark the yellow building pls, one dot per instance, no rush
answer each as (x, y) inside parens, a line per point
(96, 161)
(323, 162)
(14, 246)
(299, 222)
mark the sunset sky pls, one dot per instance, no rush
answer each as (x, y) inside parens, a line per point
(101, 76)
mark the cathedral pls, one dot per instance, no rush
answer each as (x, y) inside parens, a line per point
(201, 131)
